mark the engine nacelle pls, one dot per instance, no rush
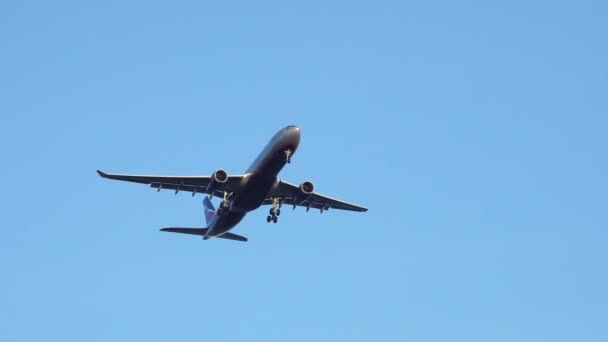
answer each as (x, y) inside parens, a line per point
(220, 176)
(218, 179)
(306, 188)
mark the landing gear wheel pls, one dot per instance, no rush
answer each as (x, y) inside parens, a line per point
(273, 211)
(268, 218)
(278, 212)
(275, 219)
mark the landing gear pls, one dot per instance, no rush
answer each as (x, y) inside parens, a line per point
(225, 205)
(288, 154)
(273, 216)
(274, 211)
(224, 208)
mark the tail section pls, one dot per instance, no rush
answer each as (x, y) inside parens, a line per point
(209, 210)
(210, 216)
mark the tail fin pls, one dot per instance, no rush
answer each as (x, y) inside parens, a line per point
(209, 209)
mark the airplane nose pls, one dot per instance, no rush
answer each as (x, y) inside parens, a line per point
(296, 134)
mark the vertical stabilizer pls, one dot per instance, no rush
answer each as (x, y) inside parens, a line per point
(209, 210)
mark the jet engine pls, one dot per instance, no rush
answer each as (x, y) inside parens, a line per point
(218, 179)
(304, 192)
(306, 188)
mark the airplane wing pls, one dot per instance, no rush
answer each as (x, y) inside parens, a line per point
(290, 194)
(192, 184)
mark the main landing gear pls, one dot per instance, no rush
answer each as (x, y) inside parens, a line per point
(275, 211)
(225, 204)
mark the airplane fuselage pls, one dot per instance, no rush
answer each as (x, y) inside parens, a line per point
(242, 193)
(260, 177)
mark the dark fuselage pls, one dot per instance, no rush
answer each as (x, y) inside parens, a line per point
(260, 177)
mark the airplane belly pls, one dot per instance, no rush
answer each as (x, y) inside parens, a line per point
(254, 194)
(225, 223)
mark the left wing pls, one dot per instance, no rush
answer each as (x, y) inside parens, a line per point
(290, 194)
(193, 184)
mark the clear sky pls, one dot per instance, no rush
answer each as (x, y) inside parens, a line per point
(476, 133)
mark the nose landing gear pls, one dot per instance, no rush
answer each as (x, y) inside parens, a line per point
(288, 154)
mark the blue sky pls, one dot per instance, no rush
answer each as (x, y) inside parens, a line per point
(475, 132)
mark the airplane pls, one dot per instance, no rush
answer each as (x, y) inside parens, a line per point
(242, 193)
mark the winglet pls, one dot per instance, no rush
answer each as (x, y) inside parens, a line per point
(102, 174)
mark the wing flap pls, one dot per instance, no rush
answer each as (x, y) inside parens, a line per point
(186, 188)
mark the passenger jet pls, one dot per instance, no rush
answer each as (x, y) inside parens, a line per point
(242, 193)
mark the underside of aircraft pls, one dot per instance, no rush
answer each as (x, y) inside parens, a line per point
(241, 193)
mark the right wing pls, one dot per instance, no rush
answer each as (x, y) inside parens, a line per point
(289, 194)
(193, 184)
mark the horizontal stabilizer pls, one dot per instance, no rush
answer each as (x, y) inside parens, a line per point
(192, 231)
(231, 236)
(202, 232)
